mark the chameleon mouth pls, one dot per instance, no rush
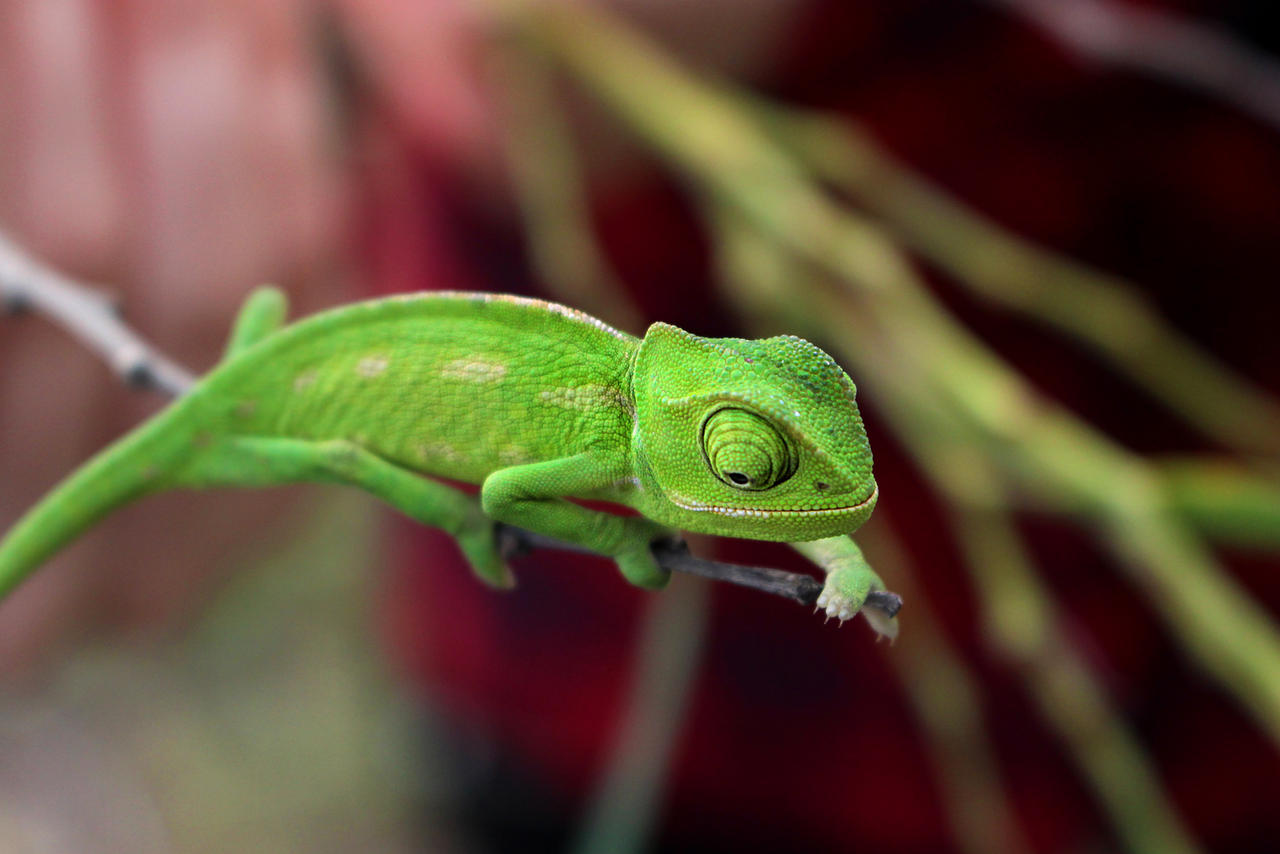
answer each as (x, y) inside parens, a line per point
(746, 512)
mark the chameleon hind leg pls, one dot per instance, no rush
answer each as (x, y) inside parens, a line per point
(269, 462)
(262, 313)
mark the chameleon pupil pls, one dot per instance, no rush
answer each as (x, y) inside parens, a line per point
(739, 478)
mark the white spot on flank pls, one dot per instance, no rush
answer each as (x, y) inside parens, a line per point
(306, 379)
(587, 397)
(513, 455)
(472, 370)
(439, 451)
(371, 366)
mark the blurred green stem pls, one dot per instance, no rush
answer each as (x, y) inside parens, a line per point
(948, 701)
(1027, 631)
(624, 809)
(1225, 502)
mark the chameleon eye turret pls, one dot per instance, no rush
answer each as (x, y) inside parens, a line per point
(745, 451)
(732, 437)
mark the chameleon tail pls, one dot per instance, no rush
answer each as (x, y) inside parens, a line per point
(126, 470)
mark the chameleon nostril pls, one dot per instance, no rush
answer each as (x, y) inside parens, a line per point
(819, 485)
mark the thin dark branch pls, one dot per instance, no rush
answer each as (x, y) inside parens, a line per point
(90, 316)
(677, 558)
(26, 285)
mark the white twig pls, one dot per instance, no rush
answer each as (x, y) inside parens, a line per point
(1163, 44)
(28, 285)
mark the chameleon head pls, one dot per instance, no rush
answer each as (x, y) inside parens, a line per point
(755, 439)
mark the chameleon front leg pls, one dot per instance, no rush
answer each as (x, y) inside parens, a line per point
(532, 497)
(270, 462)
(850, 579)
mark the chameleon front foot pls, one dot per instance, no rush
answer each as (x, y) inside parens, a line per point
(853, 590)
(852, 586)
(845, 592)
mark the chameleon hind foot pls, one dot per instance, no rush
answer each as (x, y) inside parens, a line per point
(482, 545)
(641, 568)
(639, 565)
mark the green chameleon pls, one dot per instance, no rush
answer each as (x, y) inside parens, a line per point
(538, 403)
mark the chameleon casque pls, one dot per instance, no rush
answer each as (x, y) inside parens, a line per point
(536, 402)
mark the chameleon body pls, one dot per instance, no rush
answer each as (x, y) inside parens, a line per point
(536, 402)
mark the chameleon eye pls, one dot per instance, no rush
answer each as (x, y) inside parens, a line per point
(745, 451)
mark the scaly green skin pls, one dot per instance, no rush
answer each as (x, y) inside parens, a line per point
(536, 402)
